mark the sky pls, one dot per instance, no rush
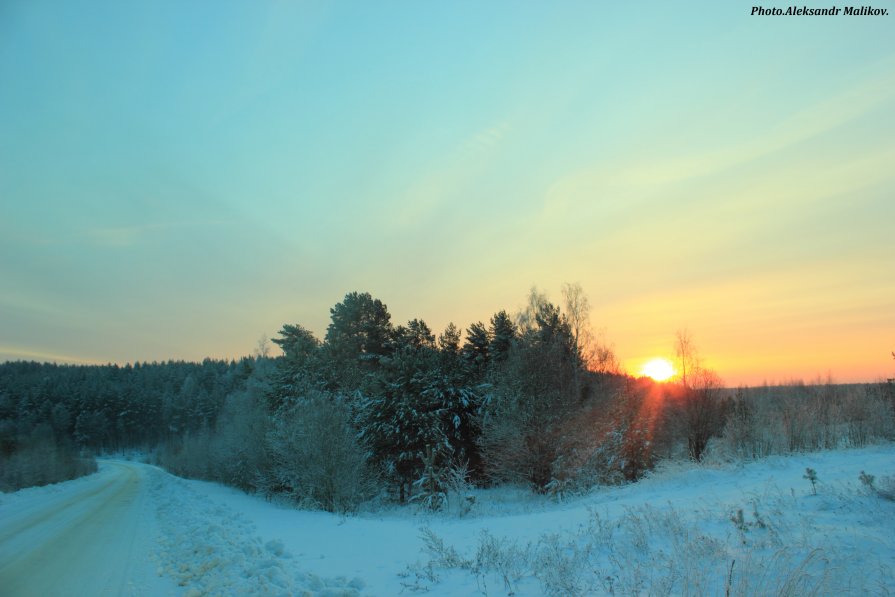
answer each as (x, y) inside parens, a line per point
(178, 180)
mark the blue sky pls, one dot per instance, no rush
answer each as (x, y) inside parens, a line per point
(178, 179)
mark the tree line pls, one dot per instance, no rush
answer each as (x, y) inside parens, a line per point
(398, 410)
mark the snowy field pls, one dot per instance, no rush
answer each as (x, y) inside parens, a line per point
(753, 529)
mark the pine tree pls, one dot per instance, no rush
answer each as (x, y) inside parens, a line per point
(503, 333)
(476, 350)
(357, 339)
(298, 370)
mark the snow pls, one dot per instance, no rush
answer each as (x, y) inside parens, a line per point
(212, 548)
(755, 528)
(682, 517)
(92, 536)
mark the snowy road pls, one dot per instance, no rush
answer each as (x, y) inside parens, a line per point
(93, 536)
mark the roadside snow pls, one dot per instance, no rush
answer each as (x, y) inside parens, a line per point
(678, 531)
(211, 548)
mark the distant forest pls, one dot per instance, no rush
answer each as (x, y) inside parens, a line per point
(397, 412)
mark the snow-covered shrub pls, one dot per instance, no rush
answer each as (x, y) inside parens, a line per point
(798, 417)
(493, 556)
(190, 456)
(811, 475)
(238, 455)
(885, 488)
(431, 487)
(753, 429)
(562, 567)
(866, 416)
(316, 457)
(501, 557)
(460, 499)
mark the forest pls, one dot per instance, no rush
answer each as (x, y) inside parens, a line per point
(400, 413)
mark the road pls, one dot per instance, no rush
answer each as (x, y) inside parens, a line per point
(93, 536)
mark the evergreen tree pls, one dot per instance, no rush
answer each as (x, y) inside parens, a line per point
(503, 333)
(449, 340)
(358, 337)
(298, 370)
(398, 421)
(476, 350)
(360, 327)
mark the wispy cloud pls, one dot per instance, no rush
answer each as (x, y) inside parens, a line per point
(633, 178)
(18, 353)
(451, 173)
(127, 236)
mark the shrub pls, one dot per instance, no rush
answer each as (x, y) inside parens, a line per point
(811, 475)
(316, 457)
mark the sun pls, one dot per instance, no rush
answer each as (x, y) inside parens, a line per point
(659, 369)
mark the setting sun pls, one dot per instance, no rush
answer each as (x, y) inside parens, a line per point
(658, 369)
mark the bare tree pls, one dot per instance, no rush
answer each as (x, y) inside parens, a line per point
(700, 411)
(578, 315)
(687, 358)
(527, 318)
(596, 354)
(262, 350)
(703, 411)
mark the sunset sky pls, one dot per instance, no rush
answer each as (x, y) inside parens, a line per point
(178, 179)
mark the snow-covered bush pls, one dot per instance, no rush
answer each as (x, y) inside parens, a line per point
(232, 452)
(237, 449)
(316, 457)
(885, 488)
(798, 417)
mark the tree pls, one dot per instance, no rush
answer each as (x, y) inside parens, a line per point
(297, 342)
(298, 370)
(685, 351)
(703, 411)
(418, 335)
(358, 336)
(360, 326)
(398, 421)
(476, 350)
(577, 314)
(449, 340)
(449, 350)
(503, 334)
(700, 411)
(536, 393)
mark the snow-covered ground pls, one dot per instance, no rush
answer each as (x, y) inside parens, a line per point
(752, 529)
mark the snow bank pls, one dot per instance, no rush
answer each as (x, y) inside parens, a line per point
(753, 528)
(210, 549)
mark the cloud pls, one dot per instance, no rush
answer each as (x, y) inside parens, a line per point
(17, 353)
(450, 174)
(128, 236)
(633, 178)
